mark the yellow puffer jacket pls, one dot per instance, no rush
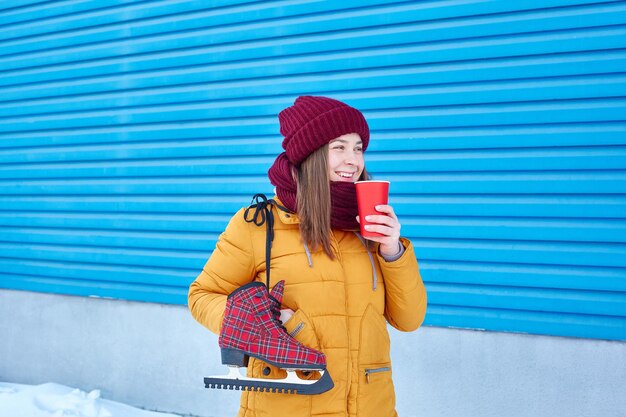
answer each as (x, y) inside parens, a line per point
(340, 307)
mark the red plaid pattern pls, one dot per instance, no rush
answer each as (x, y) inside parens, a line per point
(277, 292)
(251, 325)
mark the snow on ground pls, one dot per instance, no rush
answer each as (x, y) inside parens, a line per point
(54, 400)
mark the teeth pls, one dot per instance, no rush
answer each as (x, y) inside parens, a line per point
(345, 175)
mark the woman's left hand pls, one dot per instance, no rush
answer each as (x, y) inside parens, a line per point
(388, 226)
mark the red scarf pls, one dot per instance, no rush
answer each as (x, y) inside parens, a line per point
(342, 195)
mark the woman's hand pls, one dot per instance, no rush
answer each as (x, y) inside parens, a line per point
(285, 315)
(388, 226)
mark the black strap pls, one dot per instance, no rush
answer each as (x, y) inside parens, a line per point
(263, 215)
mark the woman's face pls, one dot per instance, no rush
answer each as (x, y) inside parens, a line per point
(345, 158)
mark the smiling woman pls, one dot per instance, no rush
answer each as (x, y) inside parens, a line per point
(334, 290)
(320, 184)
(345, 158)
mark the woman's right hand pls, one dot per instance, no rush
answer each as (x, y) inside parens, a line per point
(285, 314)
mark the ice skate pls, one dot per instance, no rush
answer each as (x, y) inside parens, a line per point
(251, 328)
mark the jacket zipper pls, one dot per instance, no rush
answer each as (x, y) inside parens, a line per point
(296, 330)
(374, 371)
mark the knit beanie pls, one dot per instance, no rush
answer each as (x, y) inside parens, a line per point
(314, 121)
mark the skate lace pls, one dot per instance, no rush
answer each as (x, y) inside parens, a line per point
(275, 309)
(263, 215)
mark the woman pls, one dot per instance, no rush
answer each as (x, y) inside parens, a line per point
(340, 289)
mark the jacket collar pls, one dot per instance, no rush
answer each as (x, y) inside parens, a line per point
(286, 217)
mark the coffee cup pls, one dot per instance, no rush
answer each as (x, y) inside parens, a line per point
(370, 194)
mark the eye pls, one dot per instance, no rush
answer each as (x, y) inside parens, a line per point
(340, 147)
(359, 149)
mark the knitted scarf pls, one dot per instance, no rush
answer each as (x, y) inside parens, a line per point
(342, 195)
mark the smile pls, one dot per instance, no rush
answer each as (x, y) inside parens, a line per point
(345, 174)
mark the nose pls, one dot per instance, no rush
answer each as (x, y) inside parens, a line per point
(350, 158)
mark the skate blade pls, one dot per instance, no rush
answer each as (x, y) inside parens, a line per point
(289, 385)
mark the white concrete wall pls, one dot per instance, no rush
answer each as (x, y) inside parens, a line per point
(155, 356)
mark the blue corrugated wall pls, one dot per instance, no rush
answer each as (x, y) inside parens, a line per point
(130, 131)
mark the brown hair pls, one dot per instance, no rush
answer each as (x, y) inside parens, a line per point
(313, 200)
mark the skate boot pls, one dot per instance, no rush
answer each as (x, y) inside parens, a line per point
(251, 327)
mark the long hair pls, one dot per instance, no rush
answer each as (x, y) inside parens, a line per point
(313, 200)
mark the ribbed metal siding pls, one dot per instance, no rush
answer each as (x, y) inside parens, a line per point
(130, 131)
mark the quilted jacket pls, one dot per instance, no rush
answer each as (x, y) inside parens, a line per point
(341, 307)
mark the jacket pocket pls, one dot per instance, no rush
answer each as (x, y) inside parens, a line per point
(375, 396)
(372, 372)
(267, 404)
(300, 328)
(374, 339)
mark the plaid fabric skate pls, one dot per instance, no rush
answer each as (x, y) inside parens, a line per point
(251, 327)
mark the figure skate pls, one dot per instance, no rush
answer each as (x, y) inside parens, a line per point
(251, 327)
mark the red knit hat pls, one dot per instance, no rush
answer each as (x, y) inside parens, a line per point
(312, 122)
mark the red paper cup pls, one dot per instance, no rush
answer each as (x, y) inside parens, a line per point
(370, 194)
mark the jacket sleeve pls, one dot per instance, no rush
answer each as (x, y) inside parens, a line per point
(405, 294)
(230, 266)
